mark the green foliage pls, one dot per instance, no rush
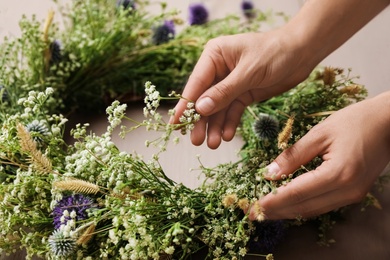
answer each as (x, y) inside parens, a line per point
(107, 53)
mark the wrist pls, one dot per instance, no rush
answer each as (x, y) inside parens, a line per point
(382, 104)
(320, 27)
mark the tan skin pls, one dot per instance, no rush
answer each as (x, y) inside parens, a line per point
(235, 71)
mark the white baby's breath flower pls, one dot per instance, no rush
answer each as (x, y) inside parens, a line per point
(169, 250)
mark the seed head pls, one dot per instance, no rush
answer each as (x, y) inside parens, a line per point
(266, 127)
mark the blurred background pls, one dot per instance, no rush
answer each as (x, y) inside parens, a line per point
(367, 53)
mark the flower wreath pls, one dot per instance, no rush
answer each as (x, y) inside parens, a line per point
(89, 200)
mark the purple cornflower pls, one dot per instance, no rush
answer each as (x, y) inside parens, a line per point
(164, 33)
(198, 14)
(248, 9)
(127, 4)
(55, 52)
(267, 235)
(77, 202)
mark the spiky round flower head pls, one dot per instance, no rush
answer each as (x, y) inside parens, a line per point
(38, 130)
(60, 244)
(126, 4)
(164, 33)
(267, 235)
(248, 9)
(55, 52)
(266, 127)
(198, 14)
(3, 94)
(77, 203)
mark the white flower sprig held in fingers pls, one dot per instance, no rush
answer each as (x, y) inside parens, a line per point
(154, 120)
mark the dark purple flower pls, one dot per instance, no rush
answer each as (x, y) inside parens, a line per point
(198, 14)
(78, 203)
(55, 52)
(248, 9)
(267, 235)
(126, 4)
(164, 33)
(266, 127)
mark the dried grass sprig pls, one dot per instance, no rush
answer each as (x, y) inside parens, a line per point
(78, 186)
(40, 162)
(87, 235)
(286, 133)
(259, 214)
(329, 76)
(25, 139)
(46, 27)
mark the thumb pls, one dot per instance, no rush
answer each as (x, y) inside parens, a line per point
(300, 153)
(222, 94)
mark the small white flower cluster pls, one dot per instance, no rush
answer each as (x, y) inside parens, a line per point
(34, 102)
(68, 223)
(152, 100)
(189, 117)
(90, 156)
(235, 236)
(115, 114)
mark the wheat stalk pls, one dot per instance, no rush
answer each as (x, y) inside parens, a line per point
(286, 133)
(87, 235)
(78, 186)
(28, 145)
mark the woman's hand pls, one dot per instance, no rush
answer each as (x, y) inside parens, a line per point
(354, 144)
(234, 71)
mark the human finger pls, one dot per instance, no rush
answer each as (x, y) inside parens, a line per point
(215, 129)
(209, 67)
(299, 191)
(233, 118)
(314, 206)
(198, 134)
(303, 151)
(224, 92)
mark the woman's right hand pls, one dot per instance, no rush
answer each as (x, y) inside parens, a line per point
(235, 71)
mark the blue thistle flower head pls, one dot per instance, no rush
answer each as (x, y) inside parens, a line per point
(38, 130)
(164, 33)
(248, 8)
(55, 52)
(266, 127)
(126, 4)
(3, 94)
(60, 244)
(76, 202)
(267, 235)
(198, 14)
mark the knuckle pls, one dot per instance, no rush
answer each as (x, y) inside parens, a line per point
(346, 176)
(223, 91)
(356, 195)
(296, 196)
(214, 43)
(289, 155)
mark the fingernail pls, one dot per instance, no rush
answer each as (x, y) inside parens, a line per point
(272, 170)
(205, 105)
